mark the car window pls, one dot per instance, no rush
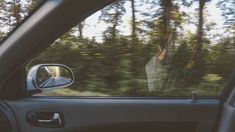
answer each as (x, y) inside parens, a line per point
(162, 48)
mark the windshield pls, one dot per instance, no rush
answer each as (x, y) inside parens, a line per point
(13, 12)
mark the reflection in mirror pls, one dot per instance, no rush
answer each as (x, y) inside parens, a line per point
(52, 76)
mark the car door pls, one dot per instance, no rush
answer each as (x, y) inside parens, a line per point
(181, 110)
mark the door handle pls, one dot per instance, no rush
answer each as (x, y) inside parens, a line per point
(56, 120)
(50, 119)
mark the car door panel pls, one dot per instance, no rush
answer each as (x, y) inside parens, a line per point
(228, 119)
(228, 114)
(122, 114)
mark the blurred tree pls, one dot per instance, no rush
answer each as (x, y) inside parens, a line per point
(32, 4)
(2, 35)
(163, 25)
(13, 13)
(112, 15)
(198, 63)
(228, 10)
(223, 57)
(80, 29)
(133, 22)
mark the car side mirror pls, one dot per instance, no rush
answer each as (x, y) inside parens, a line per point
(49, 76)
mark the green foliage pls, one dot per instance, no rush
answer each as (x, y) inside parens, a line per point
(12, 12)
(112, 15)
(2, 35)
(228, 11)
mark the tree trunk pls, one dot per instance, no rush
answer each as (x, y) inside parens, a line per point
(165, 40)
(167, 8)
(133, 23)
(200, 28)
(80, 29)
(197, 70)
(114, 28)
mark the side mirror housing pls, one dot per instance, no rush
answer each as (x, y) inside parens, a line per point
(49, 76)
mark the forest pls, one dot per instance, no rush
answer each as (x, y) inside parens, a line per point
(166, 47)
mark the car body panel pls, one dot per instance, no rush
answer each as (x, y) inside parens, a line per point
(85, 113)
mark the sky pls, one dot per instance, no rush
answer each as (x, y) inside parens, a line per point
(94, 27)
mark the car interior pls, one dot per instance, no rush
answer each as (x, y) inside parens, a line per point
(22, 112)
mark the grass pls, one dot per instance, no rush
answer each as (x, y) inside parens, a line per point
(202, 90)
(70, 92)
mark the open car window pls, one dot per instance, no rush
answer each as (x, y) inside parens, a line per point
(166, 48)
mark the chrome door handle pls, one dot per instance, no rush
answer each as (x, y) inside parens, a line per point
(45, 118)
(55, 120)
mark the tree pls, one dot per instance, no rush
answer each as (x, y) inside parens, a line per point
(12, 12)
(200, 29)
(133, 21)
(228, 11)
(163, 25)
(112, 16)
(223, 57)
(32, 4)
(2, 35)
(160, 24)
(80, 29)
(197, 60)
(165, 18)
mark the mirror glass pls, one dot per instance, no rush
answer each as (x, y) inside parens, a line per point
(53, 76)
